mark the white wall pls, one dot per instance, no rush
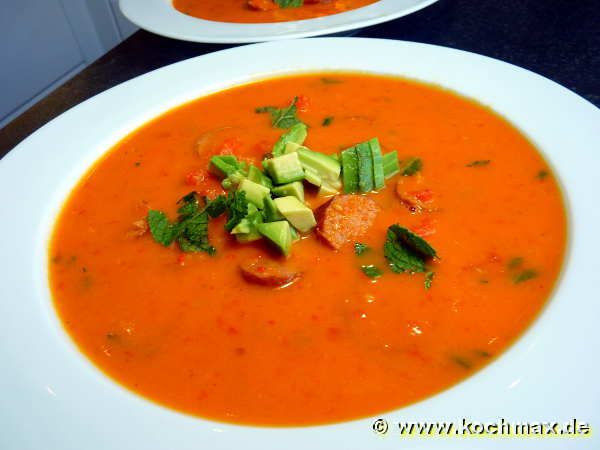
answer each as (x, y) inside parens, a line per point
(43, 43)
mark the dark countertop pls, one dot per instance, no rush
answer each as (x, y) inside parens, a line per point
(559, 39)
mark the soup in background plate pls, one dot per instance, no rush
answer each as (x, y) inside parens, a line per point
(265, 11)
(308, 249)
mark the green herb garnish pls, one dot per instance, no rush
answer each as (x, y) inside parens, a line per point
(483, 353)
(371, 271)
(193, 234)
(162, 230)
(216, 207)
(515, 262)
(411, 166)
(237, 209)
(405, 251)
(327, 121)
(190, 230)
(328, 80)
(281, 117)
(461, 361)
(525, 275)
(429, 279)
(360, 248)
(542, 174)
(289, 3)
(479, 163)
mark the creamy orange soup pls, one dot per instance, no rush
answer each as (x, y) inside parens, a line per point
(258, 11)
(188, 331)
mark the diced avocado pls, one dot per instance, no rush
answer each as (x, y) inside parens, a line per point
(242, 227)
(278, 233)
(296, 134)
(390, 164)
(295, 235)
(246, 230)
(296, 212)
(312, 177)
(365, 167)
(252, 236)
(255, 193)
(377, 158)
(318, 168)
(285, 168)
(271, 212)
(350, 170)
(292, 147)
(327, 189)
(325, 166)
(255, 174)
(296, 189)
(223, 165)
(233, 180)
(248, 237)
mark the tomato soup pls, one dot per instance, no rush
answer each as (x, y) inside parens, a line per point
(264, 11)
(208, 334)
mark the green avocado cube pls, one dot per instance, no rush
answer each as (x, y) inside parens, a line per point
(278, 233)
(296, 212)
(295, 189)
(285, 168)
(255, 193)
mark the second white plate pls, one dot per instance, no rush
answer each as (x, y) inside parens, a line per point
(160, 17)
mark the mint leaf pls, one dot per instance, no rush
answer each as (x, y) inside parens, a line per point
(189, 205)
(161, 229)
(289, 3)
(360, 248)
(401, 259)
(237, 209)
(414, 242)
(281, 117)
(405, 251)
(411, 166)
(371, 271)
(193, 234)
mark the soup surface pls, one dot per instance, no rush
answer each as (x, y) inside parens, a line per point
(347, 337)
(261, 11)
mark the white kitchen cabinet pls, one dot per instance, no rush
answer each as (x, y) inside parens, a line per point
(43, 43)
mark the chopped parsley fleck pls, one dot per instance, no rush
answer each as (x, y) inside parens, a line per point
(525, 275)
(327, 121)
(371, 271)
(542, 174)
(479, 163)
(429, 279)
(289, 3)
(360, 248)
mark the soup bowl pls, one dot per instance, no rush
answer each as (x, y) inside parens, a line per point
(55, 398)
